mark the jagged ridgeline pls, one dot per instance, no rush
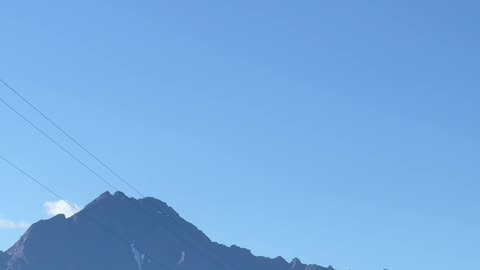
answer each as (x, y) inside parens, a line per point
(115, 232)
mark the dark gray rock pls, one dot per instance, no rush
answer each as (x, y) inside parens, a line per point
(3, 258)
(122, 233)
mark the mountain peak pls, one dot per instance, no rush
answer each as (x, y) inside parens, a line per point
(117, 232)
(107, 195)
(108, 198)
(295, 264)
(104, 196)
(120, 195)
(119, 203)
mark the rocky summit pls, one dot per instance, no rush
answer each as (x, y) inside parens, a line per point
(121, 233)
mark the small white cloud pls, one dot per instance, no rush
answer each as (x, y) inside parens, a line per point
(11, 225)
(60, 207)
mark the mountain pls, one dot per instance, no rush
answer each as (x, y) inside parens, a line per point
(116, 232)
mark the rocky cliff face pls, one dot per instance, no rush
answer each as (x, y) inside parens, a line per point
(121, 233)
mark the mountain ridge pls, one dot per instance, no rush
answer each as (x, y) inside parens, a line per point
(118, 232)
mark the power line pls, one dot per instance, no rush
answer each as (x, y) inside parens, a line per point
(85, 165)
(114, 234)
(105, 228)
(72, 138)
(57, 144)
(35, 180)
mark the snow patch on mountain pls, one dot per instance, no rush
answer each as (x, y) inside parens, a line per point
(182, 258)
(139, 257)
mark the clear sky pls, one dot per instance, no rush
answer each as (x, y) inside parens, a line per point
(341, 132)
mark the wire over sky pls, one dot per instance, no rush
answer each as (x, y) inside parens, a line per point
(75, 141)
(114, 234)
(38, 129)
(24, 118)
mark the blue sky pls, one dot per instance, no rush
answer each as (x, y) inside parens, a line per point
(341, 132)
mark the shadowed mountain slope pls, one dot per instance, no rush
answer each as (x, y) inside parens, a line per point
(121, 233)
